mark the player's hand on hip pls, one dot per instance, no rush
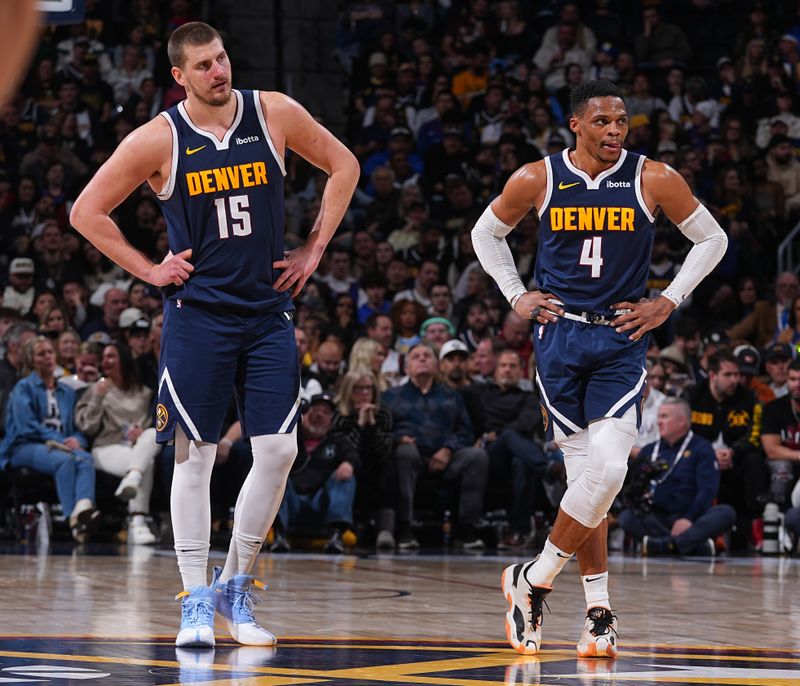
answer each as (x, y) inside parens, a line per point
(174, 269)
(536, 305)
(642, 316)
(297, 265)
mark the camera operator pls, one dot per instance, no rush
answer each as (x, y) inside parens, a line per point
(680, 476)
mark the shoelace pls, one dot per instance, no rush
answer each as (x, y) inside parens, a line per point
(201, 611)
(245, 601)
(537, 614)
(602, 623)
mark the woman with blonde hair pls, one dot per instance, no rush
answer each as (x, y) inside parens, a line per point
(366, 425)
(367, 353)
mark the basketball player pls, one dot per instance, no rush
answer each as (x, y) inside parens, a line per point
(19, 26)
(216, 162)
(597, 206)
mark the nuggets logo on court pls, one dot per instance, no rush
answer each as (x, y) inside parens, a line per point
(162, 416)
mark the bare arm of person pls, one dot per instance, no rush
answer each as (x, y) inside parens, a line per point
(523, 191)
(663, 187)
(775, 450)
(296, 129)
(140, 157)
(19, 28)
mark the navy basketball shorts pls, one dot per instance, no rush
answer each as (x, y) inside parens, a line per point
(586, 372)
(208, 355)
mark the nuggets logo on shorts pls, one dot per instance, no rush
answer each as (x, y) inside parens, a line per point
(162, 416)
(545, 417)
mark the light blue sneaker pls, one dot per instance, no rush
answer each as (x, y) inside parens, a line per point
(197, 618)
(236, 604)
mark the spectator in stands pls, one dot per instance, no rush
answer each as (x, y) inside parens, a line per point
(484, 359)
(374, 285)
(749, 367)
(776, 363)
(769, 317)
(321, 487)
(11, 365)
(472, 81)
(339, 277)
(19, 293)
(785, 169)
(368, 354)
(724, 413)
(41, 435)
(328, 364)
(114, 303)
(660, 44)
(435, 331)
(126, 79)
(441, 301)
(453, 356)
(67, 346)
(363, 423)
(780, 438)
(433, 433)
(116, 413)
(508, 425)
(379, 328)
(135, 330)
(407, 317)
(552, 59)
(648, 430)
(516, 334)
(680, 479)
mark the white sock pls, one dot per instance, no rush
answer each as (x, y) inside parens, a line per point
(259, 500)
(595, 588)
(190, 506)
(551, 561)
(138, 520)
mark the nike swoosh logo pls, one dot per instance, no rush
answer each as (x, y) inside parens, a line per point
(566, 557)
(563, 186)
(588, 581)
(192, 151)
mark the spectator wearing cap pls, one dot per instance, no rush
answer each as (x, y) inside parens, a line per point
(785, 169)
(321, 488)
(401, 140)
(770, 318)
(114, 303)
(453, 355)
(749, 368)
(727, 415)
(784, 122)
(780, 437)
(667, 152)
(19, 293)
(508, 424)
(433, 433)
(713, 340)
(135, 328)
(436, 331)
(776, 364)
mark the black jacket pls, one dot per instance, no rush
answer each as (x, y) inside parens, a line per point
(737, 417)
(493, 409)
(311, 470)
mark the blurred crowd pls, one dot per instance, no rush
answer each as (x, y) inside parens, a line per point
(420, 406)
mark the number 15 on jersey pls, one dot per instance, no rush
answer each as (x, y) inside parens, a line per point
(233, 216)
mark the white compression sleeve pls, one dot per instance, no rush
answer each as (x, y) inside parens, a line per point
(489, 241)
(710, 244)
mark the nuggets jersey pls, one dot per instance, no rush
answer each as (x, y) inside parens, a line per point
(224, 200)
(595, 235)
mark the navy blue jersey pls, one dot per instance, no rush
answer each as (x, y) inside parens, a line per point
(595, 235)
(224, 200)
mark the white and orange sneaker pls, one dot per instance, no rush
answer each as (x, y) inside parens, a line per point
(599, 637)
(525, 603)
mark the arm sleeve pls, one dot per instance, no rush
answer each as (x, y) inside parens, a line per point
(491, 248)
(710, 244)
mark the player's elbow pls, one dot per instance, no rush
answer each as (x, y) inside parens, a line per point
(79, 215)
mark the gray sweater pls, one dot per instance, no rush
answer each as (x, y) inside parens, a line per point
(105, 419)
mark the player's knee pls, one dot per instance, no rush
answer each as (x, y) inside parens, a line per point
(278, 450)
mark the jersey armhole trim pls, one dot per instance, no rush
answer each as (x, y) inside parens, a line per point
(169, 186)
(549, 189)
(267, 137)
(638, 185)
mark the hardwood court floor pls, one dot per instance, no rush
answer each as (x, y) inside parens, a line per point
(85, 617)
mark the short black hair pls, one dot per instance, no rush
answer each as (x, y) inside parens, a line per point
(794, 365)
(580, 95)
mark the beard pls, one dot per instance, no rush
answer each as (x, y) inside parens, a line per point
(216, 100)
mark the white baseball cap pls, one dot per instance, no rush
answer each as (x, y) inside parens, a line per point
(453, 346)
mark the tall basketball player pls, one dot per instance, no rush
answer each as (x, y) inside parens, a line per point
(597, 206)
(216, 162)
(19, 26)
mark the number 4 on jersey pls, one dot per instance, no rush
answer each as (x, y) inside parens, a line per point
(592, 255)
(239, 216)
